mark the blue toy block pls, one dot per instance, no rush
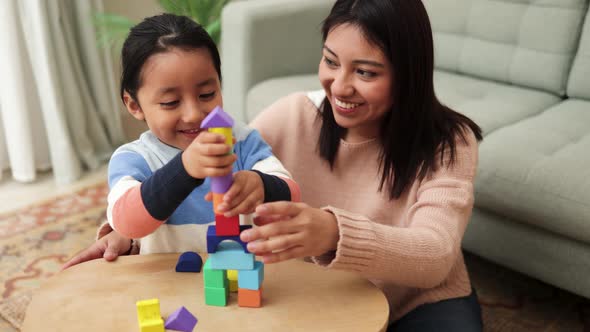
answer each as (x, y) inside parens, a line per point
(230, 256)
(181, 320)
(189, 261)
(218, 118)
(251, 279)
(214, 278)
(213, 239)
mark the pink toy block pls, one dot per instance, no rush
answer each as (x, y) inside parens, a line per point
(225, 226)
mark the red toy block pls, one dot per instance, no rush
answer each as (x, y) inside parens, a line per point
(227, 226)
(250, 298)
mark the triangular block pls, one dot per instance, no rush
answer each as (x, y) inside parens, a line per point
(218, 118)
(181, 320)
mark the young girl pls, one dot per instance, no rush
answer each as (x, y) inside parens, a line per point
(171, 80)
(391, 190)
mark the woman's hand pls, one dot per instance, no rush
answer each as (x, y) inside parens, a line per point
(291, 230)
(245, 194)
(109, 247)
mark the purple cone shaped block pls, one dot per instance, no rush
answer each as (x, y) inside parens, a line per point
(181, 320)
(221, 184)
(218, 118)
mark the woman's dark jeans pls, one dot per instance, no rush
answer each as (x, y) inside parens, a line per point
(459, 314)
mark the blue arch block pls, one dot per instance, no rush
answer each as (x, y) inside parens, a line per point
(189, 261)
(213, 239)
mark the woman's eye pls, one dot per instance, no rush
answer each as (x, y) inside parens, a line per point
(329, 62)
(169, 104)
(207, 96)
(366, 74)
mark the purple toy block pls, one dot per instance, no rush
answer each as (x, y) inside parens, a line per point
(213, 239)
(189, 261)
(181, 320)
(221, 184)
(218, 118)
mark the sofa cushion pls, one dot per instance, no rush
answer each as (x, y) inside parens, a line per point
(491, 105)
(267, 92)
(537, 171)
(579, 82)
(524, 42)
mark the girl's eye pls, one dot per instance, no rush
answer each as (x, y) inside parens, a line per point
(169, 104)
(366, 74)
(207, 96)
(329, 62)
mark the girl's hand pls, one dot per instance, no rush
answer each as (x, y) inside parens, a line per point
(109, 247)
(291, 230)
(208, 156)
(245, 194)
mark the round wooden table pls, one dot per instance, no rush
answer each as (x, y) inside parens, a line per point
(297, 296)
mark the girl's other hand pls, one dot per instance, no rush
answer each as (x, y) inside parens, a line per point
(108, 247)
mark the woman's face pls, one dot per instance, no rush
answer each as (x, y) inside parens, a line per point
(358, 79)
(178, 89)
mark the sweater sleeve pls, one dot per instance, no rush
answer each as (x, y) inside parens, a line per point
(422, 253)
(140, 201)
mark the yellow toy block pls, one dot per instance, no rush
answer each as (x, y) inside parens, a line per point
(232, 274)
(149, 317)
(226, 132)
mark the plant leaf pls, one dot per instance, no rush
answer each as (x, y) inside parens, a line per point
(111, 30)
(214, 30)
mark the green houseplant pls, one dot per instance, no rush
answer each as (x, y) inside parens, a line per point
(112, 29)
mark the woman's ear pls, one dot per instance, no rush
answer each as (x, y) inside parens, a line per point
(133, 106)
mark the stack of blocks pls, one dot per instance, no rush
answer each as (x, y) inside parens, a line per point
(230, 267)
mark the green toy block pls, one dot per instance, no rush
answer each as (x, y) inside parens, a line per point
(214, 278)
(216, 296)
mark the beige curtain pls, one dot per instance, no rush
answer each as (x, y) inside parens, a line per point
(58, 103)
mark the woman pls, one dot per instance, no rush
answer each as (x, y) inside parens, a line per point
(390, 166)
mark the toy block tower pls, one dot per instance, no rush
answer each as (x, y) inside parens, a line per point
(227, 253)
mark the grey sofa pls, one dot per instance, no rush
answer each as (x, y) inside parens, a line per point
(520, 69)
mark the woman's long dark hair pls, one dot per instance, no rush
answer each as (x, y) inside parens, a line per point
(418, 126)
(158, 34)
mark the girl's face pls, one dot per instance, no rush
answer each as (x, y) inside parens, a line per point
(358, 79)
(178, 89)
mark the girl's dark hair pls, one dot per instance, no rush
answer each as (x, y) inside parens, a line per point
(158, 34)
(418, 126)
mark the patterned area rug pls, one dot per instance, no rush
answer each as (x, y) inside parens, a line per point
(36, 241)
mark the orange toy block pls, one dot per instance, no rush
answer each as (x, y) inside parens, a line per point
(250, 298)
(225, 226)
(217, 200)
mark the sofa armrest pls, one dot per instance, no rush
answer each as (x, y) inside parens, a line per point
(264, 39)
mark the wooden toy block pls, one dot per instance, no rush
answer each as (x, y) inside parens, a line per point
(216, 296)
(148, 316)
(221, 184)
(249, 298)
(217, 200)
(227, 226)
(218, 118)
(152, 326)
(214, 278)
(189, 261)
(230, 255)
(213, 239)
(232, 275)
(226, 132)
(233, 286)
(181, 320)
(251, 279)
